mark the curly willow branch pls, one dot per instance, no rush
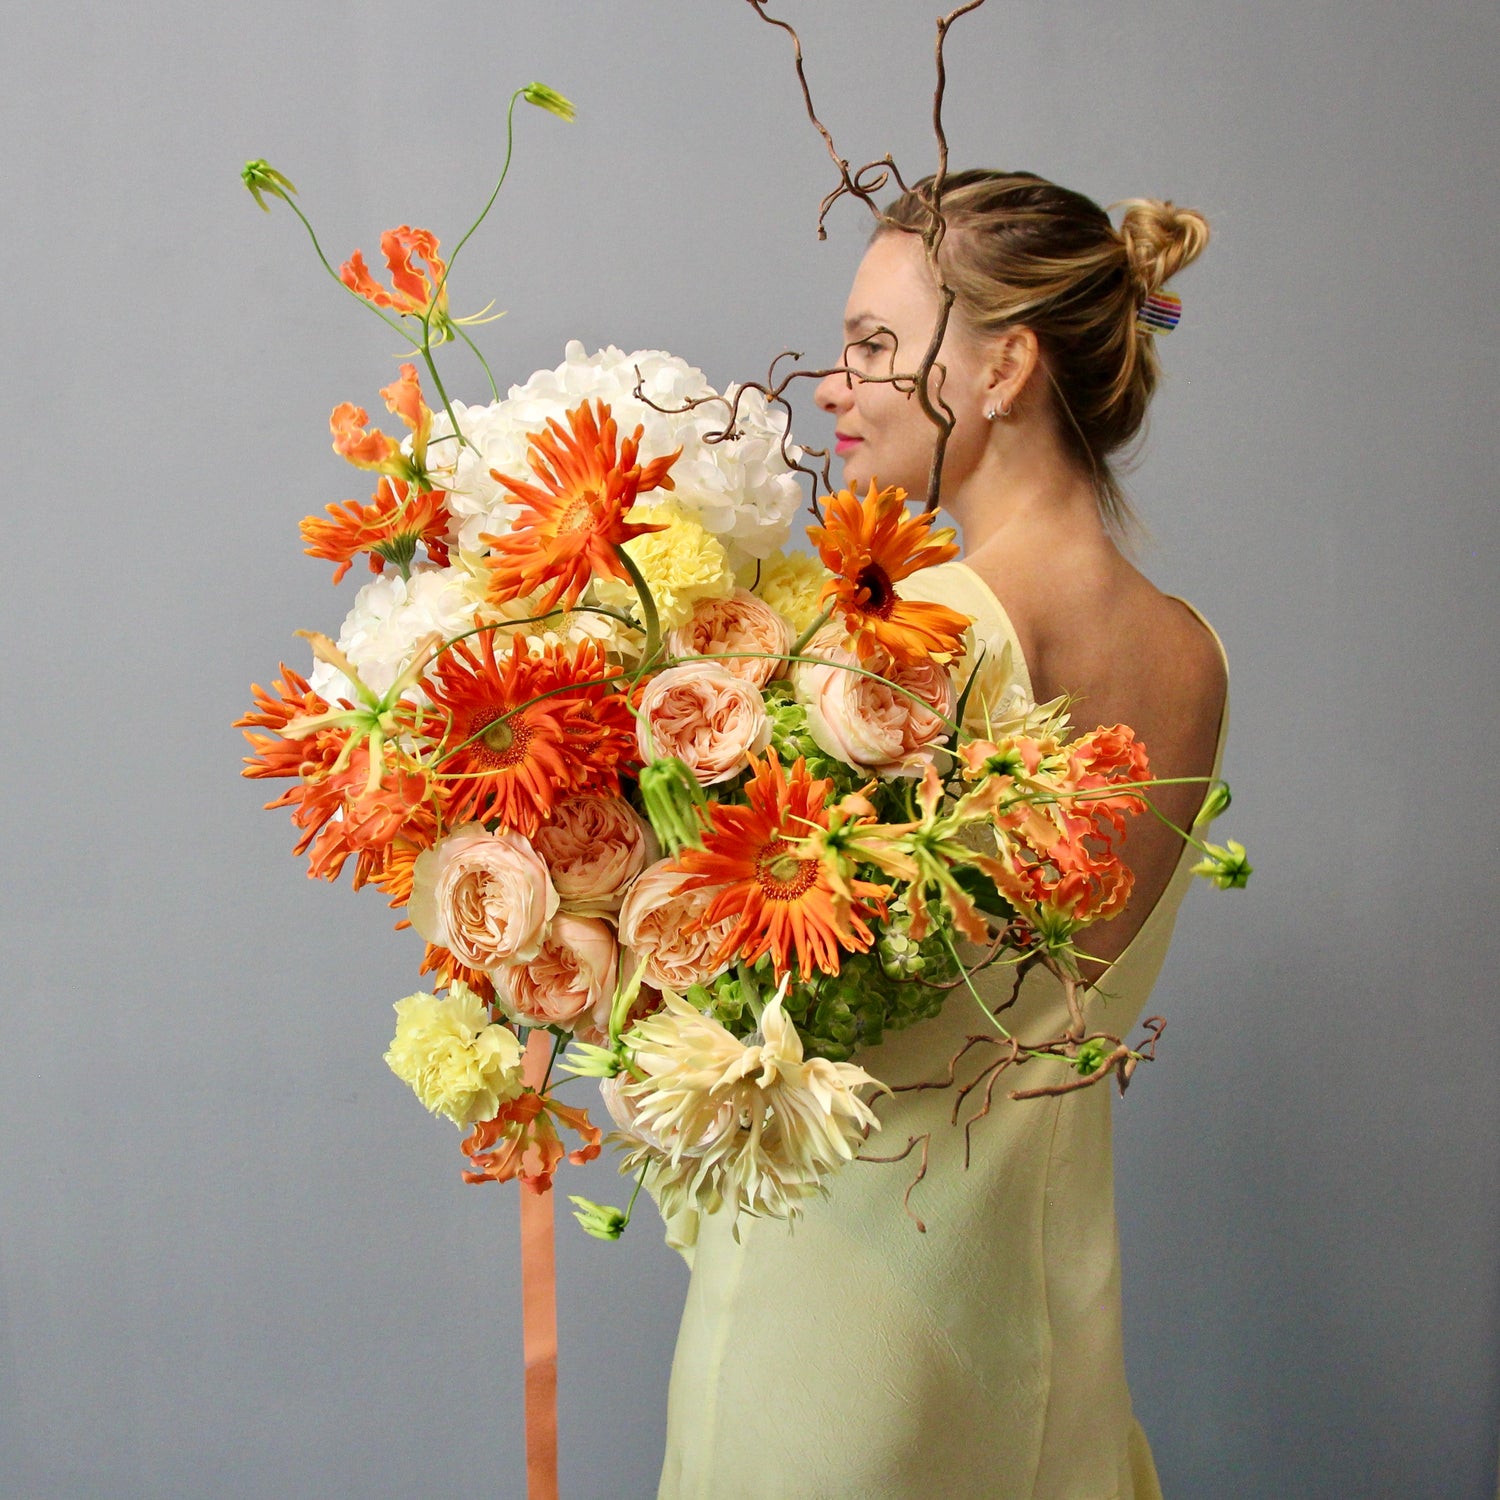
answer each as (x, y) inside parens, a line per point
(864, 183)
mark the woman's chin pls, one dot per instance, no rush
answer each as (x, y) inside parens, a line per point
(857, 474)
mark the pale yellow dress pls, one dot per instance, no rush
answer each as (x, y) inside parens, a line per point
(851, 1357)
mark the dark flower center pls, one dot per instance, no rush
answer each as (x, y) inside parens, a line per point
(876, 595)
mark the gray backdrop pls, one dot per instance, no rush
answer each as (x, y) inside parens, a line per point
(236, 1258)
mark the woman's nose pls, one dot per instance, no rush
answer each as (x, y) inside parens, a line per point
(833, 393)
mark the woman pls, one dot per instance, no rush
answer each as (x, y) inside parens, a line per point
(851, 1357)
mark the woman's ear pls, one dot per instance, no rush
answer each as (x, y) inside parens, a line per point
(1012, 360)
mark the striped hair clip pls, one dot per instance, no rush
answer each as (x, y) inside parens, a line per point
(1160, 313)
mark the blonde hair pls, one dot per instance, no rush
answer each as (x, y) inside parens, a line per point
(1021, 251)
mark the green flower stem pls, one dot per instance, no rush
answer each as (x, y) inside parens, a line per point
(811, 630)
(630, 1207)
(392, 323)
(557, 1045)
(484, 364)
(963, 969)
(510, 137)
(752, 990)
(821, 661)
(648, 607)
(437, 381)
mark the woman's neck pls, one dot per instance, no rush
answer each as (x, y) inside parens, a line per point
(1020, 489)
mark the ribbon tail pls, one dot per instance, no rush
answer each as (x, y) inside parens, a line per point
(539, 1311)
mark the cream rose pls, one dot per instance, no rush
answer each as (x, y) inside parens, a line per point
(867, 721)
(486, 897)
(573, 973)
(594, 847)
(739, 623)
(657, 928)
(712, 721)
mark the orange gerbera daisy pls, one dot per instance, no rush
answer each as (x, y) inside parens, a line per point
(781, 900)
(571, 525)
(869, 545)
(511, 752)
(412, 290)
(389, 529)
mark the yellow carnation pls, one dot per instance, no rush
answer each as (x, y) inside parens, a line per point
(682, 564)
(459, 1063)
(791, 583)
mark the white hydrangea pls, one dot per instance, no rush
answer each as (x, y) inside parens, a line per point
(741, 490)
(390, 616)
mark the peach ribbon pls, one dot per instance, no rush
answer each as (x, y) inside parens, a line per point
(539, 1310)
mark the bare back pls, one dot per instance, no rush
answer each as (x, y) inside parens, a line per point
(1092, 626)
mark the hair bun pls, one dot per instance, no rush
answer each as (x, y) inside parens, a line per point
(1160, 239)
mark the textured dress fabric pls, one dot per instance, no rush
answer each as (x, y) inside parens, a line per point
(851, 1356)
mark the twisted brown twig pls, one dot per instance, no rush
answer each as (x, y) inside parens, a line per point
(863, 183)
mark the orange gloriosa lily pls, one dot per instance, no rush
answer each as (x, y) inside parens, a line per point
(782, 900)
(344, 802)
(369, 448)
(570, 525)
(522, 1141)
(413, 291)
(869, 545)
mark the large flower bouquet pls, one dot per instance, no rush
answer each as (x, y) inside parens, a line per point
(718, 813)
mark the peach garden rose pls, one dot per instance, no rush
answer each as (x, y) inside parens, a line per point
(712, 721)
(486, 897)
(659, 928)
(867, 721)
(594, 847)
(739, 623)
(572, 974)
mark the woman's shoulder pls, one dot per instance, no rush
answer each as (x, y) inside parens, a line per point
(1098, 630)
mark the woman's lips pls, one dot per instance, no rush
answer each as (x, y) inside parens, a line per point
(843, 444)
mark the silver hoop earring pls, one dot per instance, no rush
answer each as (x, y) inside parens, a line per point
(1004, 410)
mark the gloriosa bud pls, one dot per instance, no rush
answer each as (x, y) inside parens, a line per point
(260, 177)
(550, 100)
(1216, 802)
(599, 1219)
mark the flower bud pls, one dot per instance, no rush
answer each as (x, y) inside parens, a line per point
(1090, 1056)
(261, 177)
(1226, 866)
(674, 803)
(1216, 802)
(550, 100)
(584, 1060)
(599, 1219)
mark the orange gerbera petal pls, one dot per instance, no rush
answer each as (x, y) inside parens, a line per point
(521, 1141)
(524, 731)
(440, 962)
(389, 529)
(412, 290)
(781, 902)
(570, 525)
(869, 545)
(288, 698)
